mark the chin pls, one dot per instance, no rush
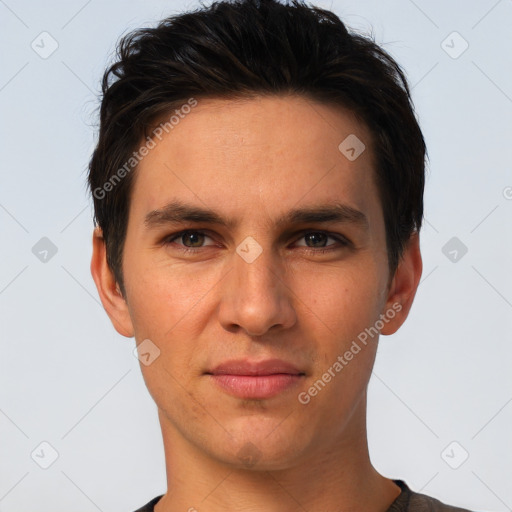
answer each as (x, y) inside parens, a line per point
(265, 449)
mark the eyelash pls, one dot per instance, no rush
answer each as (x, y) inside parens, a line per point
(344, 242)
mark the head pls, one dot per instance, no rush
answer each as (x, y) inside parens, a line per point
(242, 110)
(246, 49)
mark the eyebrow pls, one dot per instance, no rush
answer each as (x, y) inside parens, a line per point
(176, 212)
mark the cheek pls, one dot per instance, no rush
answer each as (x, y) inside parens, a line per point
(343, 300)
(162, 298)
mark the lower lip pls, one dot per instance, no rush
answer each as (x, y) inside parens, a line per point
(256, 386)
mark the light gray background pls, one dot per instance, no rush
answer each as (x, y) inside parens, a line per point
(69, 379)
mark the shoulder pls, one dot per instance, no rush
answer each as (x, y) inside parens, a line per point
(150, 505)
(407, 501)
(410, 501)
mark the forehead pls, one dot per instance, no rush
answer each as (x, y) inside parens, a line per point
(265, 152)
(274, 123)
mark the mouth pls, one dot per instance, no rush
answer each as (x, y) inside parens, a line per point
(256, 380)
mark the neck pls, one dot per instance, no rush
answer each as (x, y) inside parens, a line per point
(337, 476)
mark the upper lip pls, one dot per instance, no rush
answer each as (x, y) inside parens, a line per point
(246, 367)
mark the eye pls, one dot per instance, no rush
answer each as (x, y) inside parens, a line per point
(193, 240)
(318, 239)
(193, 237)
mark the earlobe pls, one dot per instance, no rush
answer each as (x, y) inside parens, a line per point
(403, 286)
(108, 289)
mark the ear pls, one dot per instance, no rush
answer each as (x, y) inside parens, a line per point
(108, 289)
(403, 286)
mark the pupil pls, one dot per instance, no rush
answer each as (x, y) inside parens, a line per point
(192, 235)
(315, 235)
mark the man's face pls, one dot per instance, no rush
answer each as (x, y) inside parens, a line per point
(259, 287)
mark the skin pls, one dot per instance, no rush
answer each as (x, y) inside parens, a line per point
(252, 161)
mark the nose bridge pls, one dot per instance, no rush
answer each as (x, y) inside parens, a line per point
(255, 269)
(256, 298)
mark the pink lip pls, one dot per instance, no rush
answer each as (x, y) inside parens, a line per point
(258, 380)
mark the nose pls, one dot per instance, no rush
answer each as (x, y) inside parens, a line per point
(255, 296)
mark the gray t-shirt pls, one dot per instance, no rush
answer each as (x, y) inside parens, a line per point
(406, 501)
